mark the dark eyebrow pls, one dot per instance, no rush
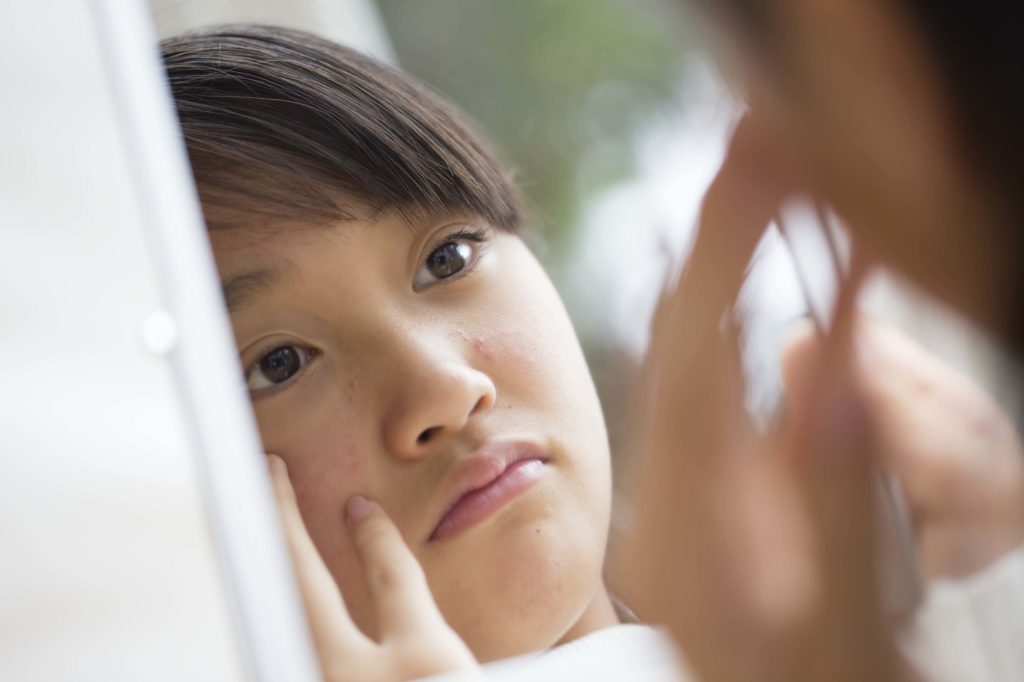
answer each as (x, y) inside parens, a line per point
(240, 290)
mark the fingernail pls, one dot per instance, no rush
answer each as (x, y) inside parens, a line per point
(357, 508)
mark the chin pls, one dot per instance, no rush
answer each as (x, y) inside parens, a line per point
(522, 584)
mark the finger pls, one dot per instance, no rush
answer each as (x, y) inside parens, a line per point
(691, 423)
(839, 459)
(801, 359)
(402, 599)
(329, 621)
(694, 358)
(842, 496)
(737, 207)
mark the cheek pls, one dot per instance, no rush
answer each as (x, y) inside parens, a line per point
(326, 470)
(326, 467)
(508, 351)
(534, 354)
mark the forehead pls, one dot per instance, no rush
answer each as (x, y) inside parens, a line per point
(253, 260)
(277, 241)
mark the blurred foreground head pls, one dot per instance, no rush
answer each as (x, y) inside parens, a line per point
(906, 116)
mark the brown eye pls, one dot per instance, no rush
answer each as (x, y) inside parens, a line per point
(280, 364)
(448, 259)
(277, 367)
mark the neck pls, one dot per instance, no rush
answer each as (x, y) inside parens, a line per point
(599, 614)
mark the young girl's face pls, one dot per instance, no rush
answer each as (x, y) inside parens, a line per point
(413, 362)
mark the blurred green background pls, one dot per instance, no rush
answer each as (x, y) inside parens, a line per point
(562, 86)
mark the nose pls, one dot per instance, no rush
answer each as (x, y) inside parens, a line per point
(435, 400)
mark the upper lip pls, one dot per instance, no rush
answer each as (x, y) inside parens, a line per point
(482, 468)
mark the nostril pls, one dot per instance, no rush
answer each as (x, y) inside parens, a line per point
(427, 434)
(480, 405)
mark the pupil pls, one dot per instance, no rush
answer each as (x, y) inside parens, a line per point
(446, 261)
(279, 364)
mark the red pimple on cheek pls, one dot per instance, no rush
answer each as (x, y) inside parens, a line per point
(351, 466)
(481, 346)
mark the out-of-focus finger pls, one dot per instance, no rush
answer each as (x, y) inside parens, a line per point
(839, 462)
(402, 599)
(331, 626)
(691, 420)
(694, 347)
(841, 483)
(801, 359)
(737, 207)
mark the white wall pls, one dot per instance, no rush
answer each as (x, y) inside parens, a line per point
(355, 23)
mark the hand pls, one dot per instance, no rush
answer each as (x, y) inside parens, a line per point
(757, 553)
(955, 452)
(414, 641)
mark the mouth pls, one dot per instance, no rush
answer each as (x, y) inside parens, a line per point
(487, 481)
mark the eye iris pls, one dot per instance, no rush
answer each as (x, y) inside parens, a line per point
(447, 260)
(280, 364)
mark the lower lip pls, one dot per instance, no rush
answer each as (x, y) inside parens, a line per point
(480, 504)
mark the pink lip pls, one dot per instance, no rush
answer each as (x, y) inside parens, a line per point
(487, 481)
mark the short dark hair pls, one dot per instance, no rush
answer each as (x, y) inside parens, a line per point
(282, 123)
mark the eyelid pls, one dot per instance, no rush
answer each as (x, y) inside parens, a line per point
(473, 233)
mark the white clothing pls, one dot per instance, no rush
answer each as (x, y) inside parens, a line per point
(972, 630)
(969, 630)
(621, 652)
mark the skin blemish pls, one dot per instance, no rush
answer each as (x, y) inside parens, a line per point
(350, 392)
(482, 347)
(351, 465)
(479, 344)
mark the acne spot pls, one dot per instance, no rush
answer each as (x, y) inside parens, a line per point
(481, 346)
(350, 392)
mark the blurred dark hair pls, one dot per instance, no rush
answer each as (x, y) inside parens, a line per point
(976, 44)
(282, 123)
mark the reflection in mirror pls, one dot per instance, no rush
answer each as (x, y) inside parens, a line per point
(438, 450)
